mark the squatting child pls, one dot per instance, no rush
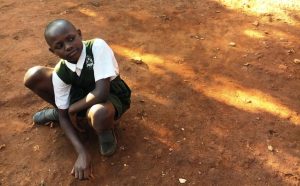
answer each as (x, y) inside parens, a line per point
(85, 83)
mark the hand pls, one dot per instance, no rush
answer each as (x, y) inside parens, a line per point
(82, 168)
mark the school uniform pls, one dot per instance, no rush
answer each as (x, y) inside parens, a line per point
(72, 82)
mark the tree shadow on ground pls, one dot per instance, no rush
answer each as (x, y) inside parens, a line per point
(188, 119)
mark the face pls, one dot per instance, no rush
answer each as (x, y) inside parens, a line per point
(66, 42)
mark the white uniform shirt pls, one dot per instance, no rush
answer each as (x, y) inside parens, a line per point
(105, 66)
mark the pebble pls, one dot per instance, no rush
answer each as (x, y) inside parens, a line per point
(255, 23)
(2, 146)
(270, 148)
(43, 183)
(297, 61)
(137, 61)
(36, 148)
(283, 67)
(182, 180)
(232, 44)
(291, 51)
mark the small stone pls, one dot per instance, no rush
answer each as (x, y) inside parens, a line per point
(146, 138)
(95, 3)
(291, 51)
(182, 180)
(170, 149)
(122, 148)
(246, 64)
(125, 165)
(36, 148)
(232, 44)
(137, 61)
(297, 61)
(282, 39)
(255, 23)
(2, 146)
(182, 129)
(218, 11)
(43, 183)
(270, 148)
(283, 67)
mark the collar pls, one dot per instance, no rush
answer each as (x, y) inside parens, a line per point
(80, 61)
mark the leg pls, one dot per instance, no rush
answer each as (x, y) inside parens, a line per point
(39, 80)
(101, 118)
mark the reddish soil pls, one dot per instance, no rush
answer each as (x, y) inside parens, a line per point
(202, 109)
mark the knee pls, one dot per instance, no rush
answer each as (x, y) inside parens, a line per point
(99, 113)
(33, 76)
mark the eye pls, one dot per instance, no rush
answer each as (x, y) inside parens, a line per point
(59, 46)
(71, 38)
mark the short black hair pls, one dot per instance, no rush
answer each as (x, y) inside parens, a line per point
(54, 24)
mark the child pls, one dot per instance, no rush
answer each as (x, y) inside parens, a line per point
(85, 82)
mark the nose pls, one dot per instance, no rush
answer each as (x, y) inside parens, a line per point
(68, 46)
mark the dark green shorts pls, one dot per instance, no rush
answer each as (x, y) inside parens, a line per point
(119, 96)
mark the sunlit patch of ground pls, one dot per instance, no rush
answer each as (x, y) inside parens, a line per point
(222, 89)
(231, 93)
(280, 9)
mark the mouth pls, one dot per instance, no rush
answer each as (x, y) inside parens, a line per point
(72, 53)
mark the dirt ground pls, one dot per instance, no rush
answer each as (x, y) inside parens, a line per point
(215, 92)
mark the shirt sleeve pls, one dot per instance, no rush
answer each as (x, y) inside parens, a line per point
(105, 63)
(61, 92)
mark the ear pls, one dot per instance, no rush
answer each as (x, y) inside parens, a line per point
(79, 32)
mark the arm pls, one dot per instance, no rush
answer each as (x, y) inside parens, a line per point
(98, 95)
(70, 131)
(82, 166)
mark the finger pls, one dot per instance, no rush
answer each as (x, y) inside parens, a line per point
(72, 172)
(86, 174)
(91, 176)
(76, 173)
(80, 174)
